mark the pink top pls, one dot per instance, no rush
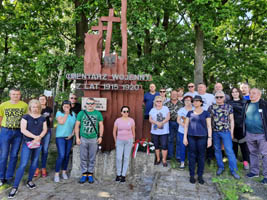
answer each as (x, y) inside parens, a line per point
(124, 128)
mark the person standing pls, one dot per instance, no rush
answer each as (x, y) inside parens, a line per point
(124, 136)
(89, 130)
(244, 87)
(182, 113)
(197, 135)
(163, 94)
(173, 105)
(149, 98)
(191, 90)
(255, 128)
(75, 106)
(237, 102)
(159, 117)
(64, 138)
(180, 94)
(47, 113)
(11, 113)
(223, 131)
(34, 128)
(219, 87)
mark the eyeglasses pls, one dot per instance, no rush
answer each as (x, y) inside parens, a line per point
(90, 104)
(125, 111)
(74, 98)
(219, 97)
(190, 86)
(158, 101)
(162, 91)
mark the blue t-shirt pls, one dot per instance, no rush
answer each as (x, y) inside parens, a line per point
(34, 125)
(65, 130)
(148, 99)
(197, 123)
(253, 119)
(182, 112)
(246, 97)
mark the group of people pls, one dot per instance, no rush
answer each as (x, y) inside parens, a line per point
(209, 123)
(198, 120)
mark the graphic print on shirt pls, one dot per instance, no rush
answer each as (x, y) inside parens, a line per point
(88, 127)
(13, 117)
(160, 118)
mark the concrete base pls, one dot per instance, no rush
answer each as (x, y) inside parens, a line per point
(105, 167)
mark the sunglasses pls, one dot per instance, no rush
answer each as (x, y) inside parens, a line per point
(162, 91)
(191, 86)
(219, 97)
(125, 111)
(90, 104)
(73, 98)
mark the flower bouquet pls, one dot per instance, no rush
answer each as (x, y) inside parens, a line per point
(143, 145)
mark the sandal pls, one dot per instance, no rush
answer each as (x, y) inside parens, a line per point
(165, 164)
(157, 162)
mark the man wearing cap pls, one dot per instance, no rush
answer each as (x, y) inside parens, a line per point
(222, 119)
(255, 129)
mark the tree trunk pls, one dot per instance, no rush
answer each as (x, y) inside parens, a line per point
(81, 29)
(198, 73)
(58, 81)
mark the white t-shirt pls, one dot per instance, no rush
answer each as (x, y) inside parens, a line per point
(182, 112)
(159, 115)
(208, 99)
(192, 94)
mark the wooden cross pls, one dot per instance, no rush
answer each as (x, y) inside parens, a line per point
(110, 19)
(100, 28)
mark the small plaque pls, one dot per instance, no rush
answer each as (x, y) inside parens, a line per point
(101, 103)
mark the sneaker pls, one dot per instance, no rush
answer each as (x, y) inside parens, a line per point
(235, 175)
(2, 182)
(65, 176)
(30, 185)
(83, 179)
(12, 193)
(192, 179)
(91, 179)
(251, 175)
(246, 165)
(37, 172)
(122, 179)
(118, 178)
(219, 171)
(182, 166)
(56, 179)
(44, 172)
(264, 181)
(200, 180)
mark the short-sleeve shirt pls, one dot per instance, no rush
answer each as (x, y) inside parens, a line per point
(148, 99)
(47, 113)
(87, 129)
(124, 128)
(197, 123)
(182, 112)
(220, 117)
(174, 109)
(253, 119)
(12, 113)
(192, 94)
(34, 125)
(208, 99)
(159, 116)
(65, 130)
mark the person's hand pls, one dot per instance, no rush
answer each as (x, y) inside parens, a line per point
(232, 136)
(68, 138)
(66, 110)
(209, 142)
(78, 141)
(99, 140)
(185, 141)
(37, 139)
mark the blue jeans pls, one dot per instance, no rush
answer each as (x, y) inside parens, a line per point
(63, 150)
(26, 153)
(10, 140)
(45, 145)
(123, 153)
(182, 146)
(226, 138)
(173, 127)
(197, 149)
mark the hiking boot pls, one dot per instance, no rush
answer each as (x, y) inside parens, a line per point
(12, 193)
(192, 180)
(91, 179)
(44, 172)
(264, 181)
(118, 178)
(235, 175)
(37, 172)
(200, 180)
(246, 165)
(83, 178)
(122, 179)
(30, 185)
(252, 175)
(219, 171)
